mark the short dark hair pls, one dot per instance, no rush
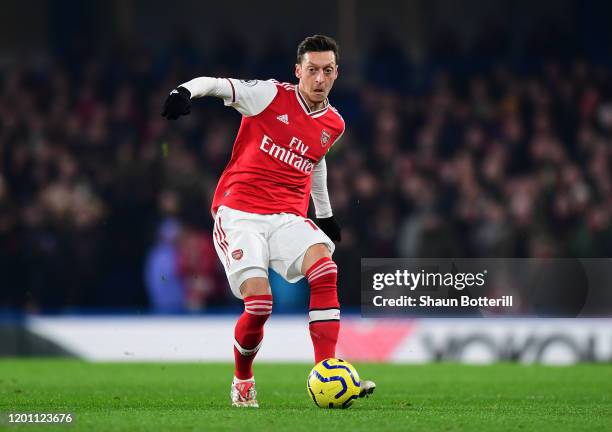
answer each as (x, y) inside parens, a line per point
(317, 43)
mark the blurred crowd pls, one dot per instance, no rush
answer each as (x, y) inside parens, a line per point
(105, 204)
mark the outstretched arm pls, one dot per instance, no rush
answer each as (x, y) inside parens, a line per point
(247, 97)
(206, 86)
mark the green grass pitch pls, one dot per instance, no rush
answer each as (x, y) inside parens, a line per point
(437, 397)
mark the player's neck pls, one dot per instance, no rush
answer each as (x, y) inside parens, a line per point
(313, 106)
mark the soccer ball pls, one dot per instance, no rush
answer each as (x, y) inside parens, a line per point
(333, 383)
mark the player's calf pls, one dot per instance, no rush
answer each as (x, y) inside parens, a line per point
(248, 337)
(324, 311)
(248, 334)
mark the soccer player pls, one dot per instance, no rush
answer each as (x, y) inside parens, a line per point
(261, 200)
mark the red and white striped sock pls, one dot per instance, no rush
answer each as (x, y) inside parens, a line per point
(324, 311)
(249, 331)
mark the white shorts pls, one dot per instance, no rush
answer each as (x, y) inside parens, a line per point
(248, 244)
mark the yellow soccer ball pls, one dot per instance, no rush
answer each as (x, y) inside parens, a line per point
(333, 383)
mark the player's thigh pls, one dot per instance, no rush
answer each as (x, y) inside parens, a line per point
(241, 248)
(290, 242)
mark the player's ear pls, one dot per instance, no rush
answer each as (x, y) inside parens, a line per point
(298, 71)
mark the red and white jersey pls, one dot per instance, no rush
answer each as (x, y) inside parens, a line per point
(279, 142)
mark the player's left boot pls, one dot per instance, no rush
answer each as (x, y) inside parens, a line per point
(366, 387)
(243, 393)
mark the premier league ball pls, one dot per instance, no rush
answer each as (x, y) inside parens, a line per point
(333, 383)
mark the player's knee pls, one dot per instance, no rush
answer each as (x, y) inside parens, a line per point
(322, 277)
(314, 254)
(255, 286)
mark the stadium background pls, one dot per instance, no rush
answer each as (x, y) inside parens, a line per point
(474, 129)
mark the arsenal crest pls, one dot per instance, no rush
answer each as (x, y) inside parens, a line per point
(325, 137)
(237, 254)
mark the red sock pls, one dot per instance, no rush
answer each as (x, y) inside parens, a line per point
(249, 332)
(324, 311)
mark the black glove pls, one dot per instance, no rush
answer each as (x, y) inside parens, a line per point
(177, 104)
(330, 227)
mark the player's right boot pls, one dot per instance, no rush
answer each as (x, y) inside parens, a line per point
(243, 393)
(367, 387)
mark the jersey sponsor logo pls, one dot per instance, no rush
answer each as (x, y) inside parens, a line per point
(283, 118)
(237, 254)
(325, 137)
(287, 155)
(249, 83)
(298, 144)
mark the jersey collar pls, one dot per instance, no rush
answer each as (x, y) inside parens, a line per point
(307, 109)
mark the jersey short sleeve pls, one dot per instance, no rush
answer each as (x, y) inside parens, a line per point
(250, 97)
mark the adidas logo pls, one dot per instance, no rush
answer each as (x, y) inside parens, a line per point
(284, 118)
